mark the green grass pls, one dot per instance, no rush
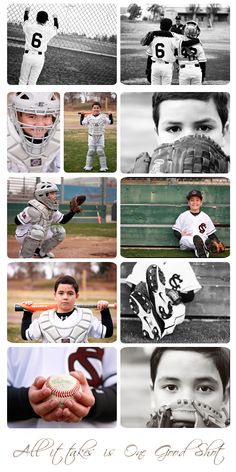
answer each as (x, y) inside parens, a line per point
(13, 335)
(85, 229)
(76, 147)
(146, 252)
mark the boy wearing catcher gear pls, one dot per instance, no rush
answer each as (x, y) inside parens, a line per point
(193, 228)
(192, 59)
(159, 293)
(96, 122)
(37, 37)
(33, 139)
(190, 387)
(29, 402)
(68, 323)
(38, 230)
(181, 118)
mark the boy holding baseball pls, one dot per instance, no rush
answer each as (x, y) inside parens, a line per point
(190, 387)
(179, 115)
(68, 323)
(96, 122)
(194, 228)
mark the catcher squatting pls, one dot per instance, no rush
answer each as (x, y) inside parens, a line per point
(191, 129)
(33, 139)
(37, 229)
(190, 387)
(96, 122)
(68, 323)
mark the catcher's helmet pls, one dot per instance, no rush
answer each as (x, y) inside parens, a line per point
(191, 29)
(42, 190)
(42, 17)
(194, 193)
(34, 103)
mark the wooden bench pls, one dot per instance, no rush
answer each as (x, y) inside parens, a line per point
(148, 211)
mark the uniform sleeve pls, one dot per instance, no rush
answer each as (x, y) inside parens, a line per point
(201, 54)
(104, 409)
(24, 217)
(210, 227)
(178, 224)
(33, 333)
(18, 405)
(57, 216)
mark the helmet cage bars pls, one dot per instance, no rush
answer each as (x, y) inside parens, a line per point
(39, 104)
(41, 192)
(191, 29)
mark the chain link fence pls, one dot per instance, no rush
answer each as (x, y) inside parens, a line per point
(84, 50)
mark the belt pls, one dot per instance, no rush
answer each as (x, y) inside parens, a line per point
(34, 52)
(183, 65)
(161, 62)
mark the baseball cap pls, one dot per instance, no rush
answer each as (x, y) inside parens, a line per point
(194, 193)
(178, 17)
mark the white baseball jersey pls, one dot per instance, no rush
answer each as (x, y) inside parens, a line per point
(75, 328)
(162, 49)
(96, 126)
(200, 224)
(37, 36)
(50, 217)
(26, 363)
(197, 53)
(178, 275)
(19, 161)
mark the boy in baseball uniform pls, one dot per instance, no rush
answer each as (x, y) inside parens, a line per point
(162, 51)
(191, 60)
(29, 402)
(37, 37)
(37, 226)
(177, 115)
(193, 227)
(96, 122)
(33, 139)
(68, 323)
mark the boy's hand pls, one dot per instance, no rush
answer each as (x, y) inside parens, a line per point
(102, 305)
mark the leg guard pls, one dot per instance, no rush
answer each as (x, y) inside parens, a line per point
(58, 234)
(32, 240)
(89, 158)
(102, 159)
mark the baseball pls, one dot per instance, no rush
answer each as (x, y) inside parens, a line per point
(63, 386)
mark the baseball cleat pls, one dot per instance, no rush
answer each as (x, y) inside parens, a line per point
(156, 286)
(103, 169)
(88, 168)
(200, 249)
(141, 306)
(48, 255)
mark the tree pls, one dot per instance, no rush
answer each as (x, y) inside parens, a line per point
(155, 10)
(134, 11)
(194, 9)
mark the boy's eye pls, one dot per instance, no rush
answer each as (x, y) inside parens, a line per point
(174, 129)
(204, 128)
(170, 387)
(205, 388)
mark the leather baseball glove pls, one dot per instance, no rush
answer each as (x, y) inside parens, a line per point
(75, 203)
(188, 155)
(188, 414)
(159, 308)
(214, 246)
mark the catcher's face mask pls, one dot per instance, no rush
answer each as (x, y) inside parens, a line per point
(187, 375)
(35, 117)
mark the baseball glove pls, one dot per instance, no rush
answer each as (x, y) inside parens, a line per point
(75, 203)
(188, 414)
(188, 155)
(214, 246)
(158, 308)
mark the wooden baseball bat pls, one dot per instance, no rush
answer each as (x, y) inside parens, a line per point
(49, 306)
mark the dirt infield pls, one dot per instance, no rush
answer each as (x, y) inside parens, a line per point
(75, 247)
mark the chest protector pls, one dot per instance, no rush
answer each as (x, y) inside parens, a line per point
(43, 215)
(67, 331)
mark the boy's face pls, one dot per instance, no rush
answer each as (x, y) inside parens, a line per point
(179, 118)
(96, 110)
(35, 120)
(52, 197)
(65, 297)
(195, 204)
(188, 375)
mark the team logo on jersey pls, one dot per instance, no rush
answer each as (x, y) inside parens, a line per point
(36, 162)
(202, 228)
(175, 281)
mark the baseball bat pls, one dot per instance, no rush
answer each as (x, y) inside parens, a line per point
(49, 306)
